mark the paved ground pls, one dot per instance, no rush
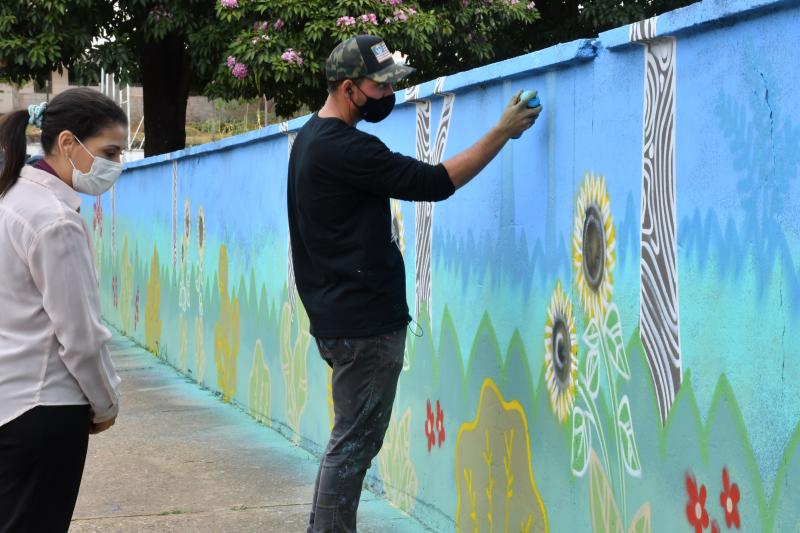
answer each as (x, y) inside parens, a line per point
(179, 459)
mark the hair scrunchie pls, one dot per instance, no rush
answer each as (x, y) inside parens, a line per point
(36, 111)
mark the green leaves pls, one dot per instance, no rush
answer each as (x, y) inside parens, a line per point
(32, 41)
(641, 523)
(627, 438)
(294, 361)
(606, 517)
(438, 38)
(591, 337)
(613, 343)
(605, 512)
(84, 36)
(581, 441)
(397, 469)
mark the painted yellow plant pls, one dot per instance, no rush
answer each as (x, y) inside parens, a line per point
(560, 354)
(397, 470)
(184, 346)
(606, 517)
(329, 381)
(294, 364)
(494, 472)
(200, 277)
(199, 332)
(199, 349)
(126, 288)
(184, 279)
(152, 309)
(594, 244)
(260, 387)
(226, 331)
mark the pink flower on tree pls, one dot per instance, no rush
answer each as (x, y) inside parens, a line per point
(400, 15)
(290, 56)
(231, 62)
(160, 12)
(531, 6)
(412, 11)
(239, 71)
(229, 4)
(345, 21)
(370, 18)
(513, 2)
(261, 25)
(279, 24)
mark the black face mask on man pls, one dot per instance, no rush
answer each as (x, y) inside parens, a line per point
(374, 109)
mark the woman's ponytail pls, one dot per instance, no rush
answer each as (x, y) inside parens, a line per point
(13, 145)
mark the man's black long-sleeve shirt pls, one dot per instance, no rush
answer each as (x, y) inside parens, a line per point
(349, 273)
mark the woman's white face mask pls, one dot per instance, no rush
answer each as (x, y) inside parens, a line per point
(101, 176)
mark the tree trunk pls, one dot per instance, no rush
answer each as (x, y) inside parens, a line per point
(165, 83)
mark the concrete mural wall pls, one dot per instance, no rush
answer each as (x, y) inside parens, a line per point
(606, 311)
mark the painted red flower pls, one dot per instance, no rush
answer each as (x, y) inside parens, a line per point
(439, 424)
(429, 432)
(729, 500)
(696, 507)
(114, 291)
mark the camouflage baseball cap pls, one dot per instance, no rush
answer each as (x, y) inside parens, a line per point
(364, 56)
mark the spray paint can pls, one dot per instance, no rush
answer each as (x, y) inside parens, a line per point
(533, 102)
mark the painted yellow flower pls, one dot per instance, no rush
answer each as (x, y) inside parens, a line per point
(201, 230)
(560, 354)
(398, 233)
(187, 220)
(594, 244)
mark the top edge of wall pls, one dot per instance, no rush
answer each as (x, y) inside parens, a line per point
(689, 18)
(548, 58)
(545, 59)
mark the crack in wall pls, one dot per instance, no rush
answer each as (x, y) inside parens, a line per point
(771, 122)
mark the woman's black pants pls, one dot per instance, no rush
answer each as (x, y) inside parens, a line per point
(42, 454)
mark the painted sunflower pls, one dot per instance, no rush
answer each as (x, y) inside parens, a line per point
(201, 230)
(560, 354)
(187, 220)
(594, 244)
(187, 232)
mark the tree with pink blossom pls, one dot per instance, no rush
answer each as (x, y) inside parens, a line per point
(174, 47)
(284, 43)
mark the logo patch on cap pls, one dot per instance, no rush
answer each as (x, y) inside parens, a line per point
(381, 52)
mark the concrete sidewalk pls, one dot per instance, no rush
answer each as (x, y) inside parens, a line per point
(179, 459)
